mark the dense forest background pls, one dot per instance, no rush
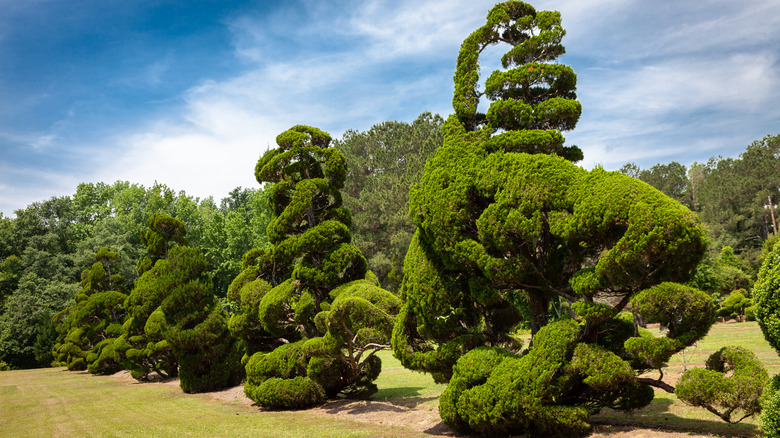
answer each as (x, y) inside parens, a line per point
(47, 246)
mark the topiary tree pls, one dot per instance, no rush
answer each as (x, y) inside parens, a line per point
(504, 216)
(162, 233)
(88, 329)
(736, 304)
(309, 292)
(766, 297)
(142, 346)
(196, 326)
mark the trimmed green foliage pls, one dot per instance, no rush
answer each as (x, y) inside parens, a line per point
(161, 234)
(493, 221)
(504, 217)
(770, 408)
(296, 393)
(687, 313)
(142, 345)
(495, 393)
(736, 304)
(733, 380)
(310, 292)
(88, 328)
(766, 296)
(196, 326)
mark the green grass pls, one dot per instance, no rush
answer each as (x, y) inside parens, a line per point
(408, 388)
(57, 403)
(667, 412)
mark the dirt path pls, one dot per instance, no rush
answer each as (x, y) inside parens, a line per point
(421, 418)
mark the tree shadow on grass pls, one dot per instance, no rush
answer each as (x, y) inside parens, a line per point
(393, 400)
(409, 396)
(660, 415)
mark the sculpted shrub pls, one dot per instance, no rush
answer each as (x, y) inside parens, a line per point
(196, 326)
(733, 381)
(142, 346)
(308, 297)
(88, 329)
(766, 297)
(503, 216)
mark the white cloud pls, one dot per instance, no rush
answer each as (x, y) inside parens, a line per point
(214, 144)
(656, 80)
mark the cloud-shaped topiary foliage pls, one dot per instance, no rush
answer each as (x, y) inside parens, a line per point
(309, 297)
(506, 221)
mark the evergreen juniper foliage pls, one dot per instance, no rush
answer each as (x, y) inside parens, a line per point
(503, 216)
(142, 346)
(196, 326)
(766, 296)
(312, 317)
(88, 329)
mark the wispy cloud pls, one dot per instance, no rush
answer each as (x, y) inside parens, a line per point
(658, 81)
(212, 146)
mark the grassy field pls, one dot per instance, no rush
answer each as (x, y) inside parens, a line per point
(54, 402)
(58, 403)
(667, 412)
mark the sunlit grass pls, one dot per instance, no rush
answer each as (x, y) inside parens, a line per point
(667, 412)
(55, 402)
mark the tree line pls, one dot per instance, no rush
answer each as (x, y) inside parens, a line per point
(283, 286)
(47, 246)
(736, 199)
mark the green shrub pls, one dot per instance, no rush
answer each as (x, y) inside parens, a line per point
(766, 296)
(296, 393)
(493, 392)
(770, 408)
(735, 304)
(196, 326)
(687, 313)
(739, 393)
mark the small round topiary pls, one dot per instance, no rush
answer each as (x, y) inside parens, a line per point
(296, 393)
(713, 387)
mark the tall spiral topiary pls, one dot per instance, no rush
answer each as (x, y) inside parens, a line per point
(308, 297)
(506, 221)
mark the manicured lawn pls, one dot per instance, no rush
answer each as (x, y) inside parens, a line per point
(667, 412)
(53, 402)
(57, 403)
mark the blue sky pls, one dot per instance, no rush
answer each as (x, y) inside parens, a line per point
(190, 93)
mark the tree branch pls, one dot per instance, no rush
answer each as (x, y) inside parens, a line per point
(656, 384)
